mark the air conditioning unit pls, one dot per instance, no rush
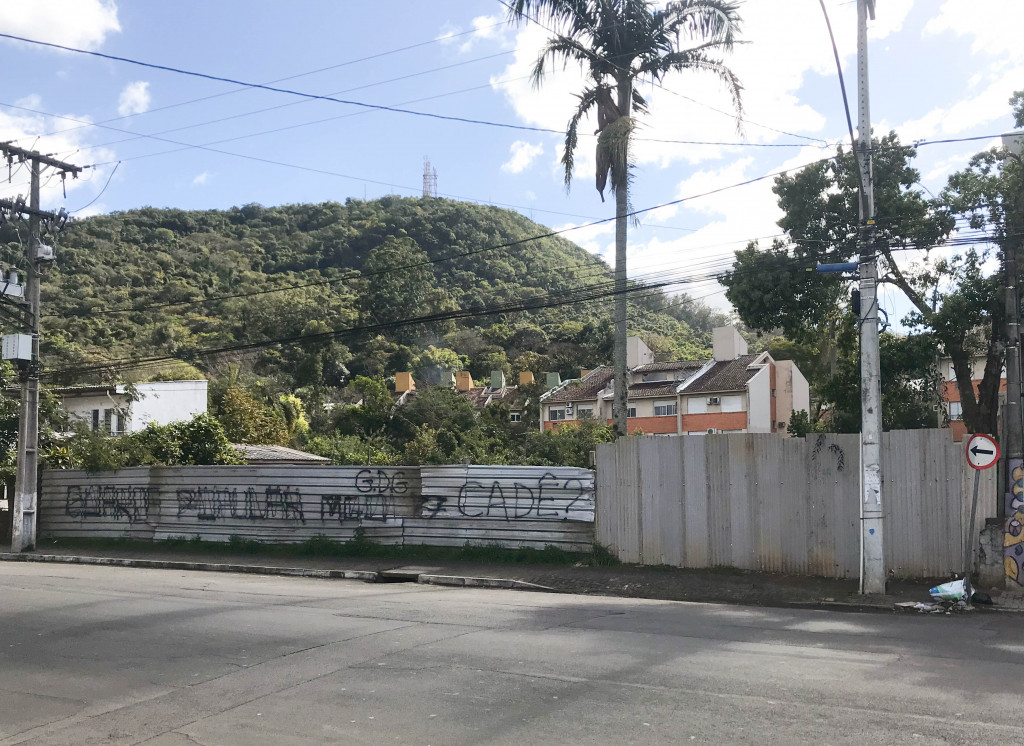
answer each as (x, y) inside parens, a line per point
(568, 408)
(711, 431)
(714, 400)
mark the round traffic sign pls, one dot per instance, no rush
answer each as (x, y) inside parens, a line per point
(982, 451)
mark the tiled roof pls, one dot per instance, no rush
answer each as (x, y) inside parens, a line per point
(585, 389)
(481, 396)
(263, 453)
(652, 388)
(730, 375)
(664, 367)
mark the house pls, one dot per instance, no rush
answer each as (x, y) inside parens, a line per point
(119, 409)
(949, 392)
(277, 455)
(479, 396)
(733, 392)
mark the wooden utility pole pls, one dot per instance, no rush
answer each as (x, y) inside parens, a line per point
(23, 523)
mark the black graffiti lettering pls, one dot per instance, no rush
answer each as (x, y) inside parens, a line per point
(107, 501)
(435, 505)
(500, 503)
(547, 479)
(581, 492)
(357, 507)
(462, 499)
(529, 505)
(380, 482)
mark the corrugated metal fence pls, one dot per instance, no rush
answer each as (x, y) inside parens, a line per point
(761, 502)
(444, 505)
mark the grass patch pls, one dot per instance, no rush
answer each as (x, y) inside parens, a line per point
(360, 547)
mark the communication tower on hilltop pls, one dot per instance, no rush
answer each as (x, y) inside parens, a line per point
(429, 179)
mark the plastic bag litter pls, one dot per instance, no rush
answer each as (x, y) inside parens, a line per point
(954, 590)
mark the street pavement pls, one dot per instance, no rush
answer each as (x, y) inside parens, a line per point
(109, 655)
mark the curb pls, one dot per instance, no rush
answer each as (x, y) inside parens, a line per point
(458, 580)
(67, 559)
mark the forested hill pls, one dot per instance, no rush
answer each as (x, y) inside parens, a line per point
(156, 283)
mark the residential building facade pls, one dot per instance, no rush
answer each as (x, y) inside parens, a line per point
(119, 409)
(733, 392)
(949, 393)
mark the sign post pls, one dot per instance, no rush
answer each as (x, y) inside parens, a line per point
(982, 453)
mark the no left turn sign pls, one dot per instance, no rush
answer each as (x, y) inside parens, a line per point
(982, 451)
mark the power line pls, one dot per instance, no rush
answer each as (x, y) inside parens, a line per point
(435, 40)
(349, 102)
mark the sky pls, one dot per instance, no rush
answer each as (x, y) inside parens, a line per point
(939, 69)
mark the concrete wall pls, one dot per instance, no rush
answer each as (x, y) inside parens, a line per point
(445, 505)
(760, 502)
(759, 394)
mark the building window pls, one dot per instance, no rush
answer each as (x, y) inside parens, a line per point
(732, 403)
(630, 411)
(515, 417)
(956, 410)
(584, 413)
(665, 408)
(697, 405)
(95, 420)
(556, 414)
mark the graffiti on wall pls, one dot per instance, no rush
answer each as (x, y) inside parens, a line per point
(1013, 536)
(209, 504)
(547, 498)
(374, 498)
(371, 495)
(108, 501)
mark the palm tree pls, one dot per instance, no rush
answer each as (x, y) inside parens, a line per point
(621, 43)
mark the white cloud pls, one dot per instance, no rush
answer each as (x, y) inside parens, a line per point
(484, 28)
(994, 24)
(134, 99)
(22, 124)
(73, 23)
(523, 154)
(201, 178)
(787, 43)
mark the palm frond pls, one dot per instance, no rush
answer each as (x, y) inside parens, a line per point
(716, 20)
(561, 48)
(588, 100)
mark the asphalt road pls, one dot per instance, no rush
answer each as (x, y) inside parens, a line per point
(95, 655)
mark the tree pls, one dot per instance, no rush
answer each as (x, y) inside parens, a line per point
(621, 43)
(248, 420)
(955, 305)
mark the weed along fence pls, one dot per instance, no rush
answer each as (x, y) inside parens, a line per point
(443, 505)
(762, 502)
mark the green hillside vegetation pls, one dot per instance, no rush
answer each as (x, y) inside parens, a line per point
(185, 287)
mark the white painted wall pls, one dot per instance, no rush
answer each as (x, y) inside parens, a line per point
(161, 402)
(164, 402)
(759, 394)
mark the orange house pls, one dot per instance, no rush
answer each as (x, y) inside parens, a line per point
(732, 392)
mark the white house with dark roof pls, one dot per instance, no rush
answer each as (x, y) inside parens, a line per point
(732, 392)
(118, 409)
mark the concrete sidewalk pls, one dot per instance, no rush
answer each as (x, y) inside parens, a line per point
(716, 586)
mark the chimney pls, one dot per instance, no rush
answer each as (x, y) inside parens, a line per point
(553, 380)
(463, 380)
(447, 379)
(497, 379)
(637, 353)
(526, 378)
(727, 344)
(404, 382)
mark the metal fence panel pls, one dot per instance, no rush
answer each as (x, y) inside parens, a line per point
(758, 501)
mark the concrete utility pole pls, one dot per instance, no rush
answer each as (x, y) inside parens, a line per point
(1013, 440)
(872, 573)
(23, 523)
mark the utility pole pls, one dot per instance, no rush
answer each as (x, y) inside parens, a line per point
(872, 573)
(1013, 439)
(23, 524)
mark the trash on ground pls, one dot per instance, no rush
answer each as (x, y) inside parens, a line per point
(981, 598)
(955, 590)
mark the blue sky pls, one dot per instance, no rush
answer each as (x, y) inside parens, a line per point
(940, 69)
